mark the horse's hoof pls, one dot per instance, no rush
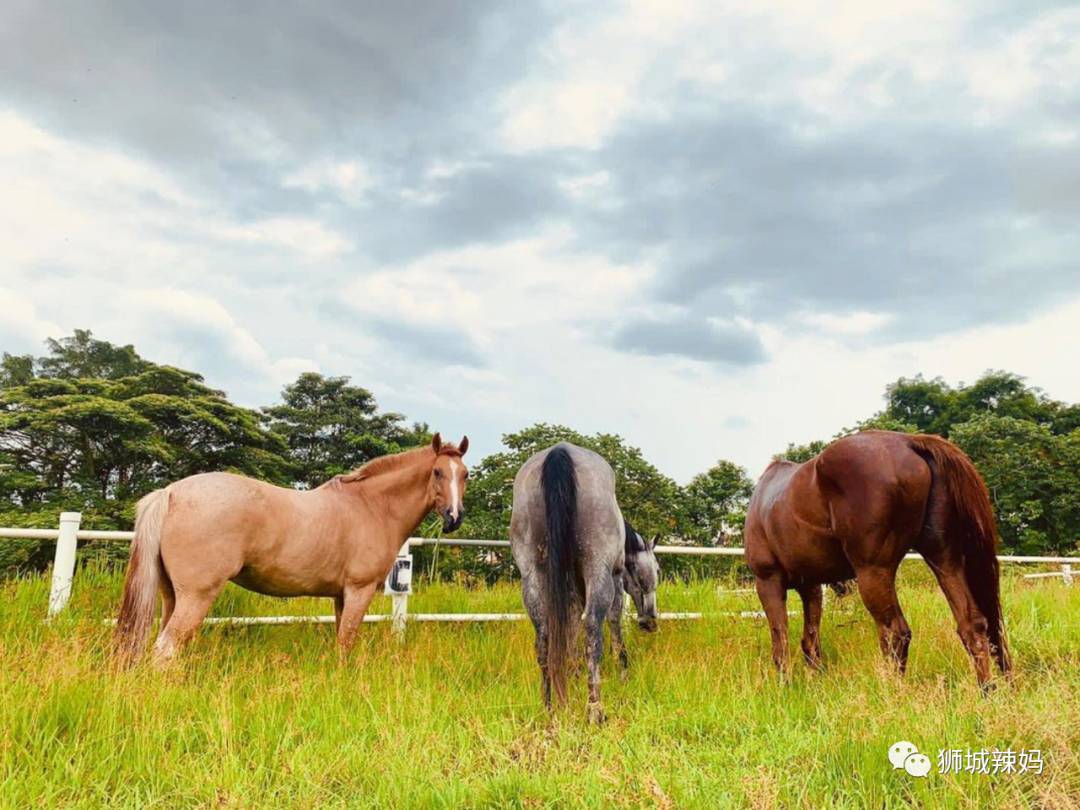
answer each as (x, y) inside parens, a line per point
(596, 714)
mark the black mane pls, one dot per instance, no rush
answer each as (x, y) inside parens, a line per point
(634, 541)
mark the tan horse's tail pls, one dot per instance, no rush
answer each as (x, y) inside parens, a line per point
(143, 577)
(972, 529)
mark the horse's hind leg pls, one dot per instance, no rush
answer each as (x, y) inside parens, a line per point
(615, 625)
(811, 637)
(168, 596)
(877, 587)
(531, 596)
(190, 608)
(971, 624)
(598, 602)
(772, 591)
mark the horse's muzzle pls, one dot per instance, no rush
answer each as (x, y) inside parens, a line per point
(648, 625)
(451, 523)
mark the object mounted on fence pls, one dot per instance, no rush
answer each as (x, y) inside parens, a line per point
(399, 580)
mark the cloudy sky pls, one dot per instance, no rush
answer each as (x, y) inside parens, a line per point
(710, 230)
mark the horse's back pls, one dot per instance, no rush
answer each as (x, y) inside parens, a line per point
(218, 525)
(223, 500)
(597, 508)
(861, 501)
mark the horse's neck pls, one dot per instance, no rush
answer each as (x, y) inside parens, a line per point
(404, 493)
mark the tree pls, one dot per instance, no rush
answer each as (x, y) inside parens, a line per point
(1034, 480)
(332, 427)
(649, 499)
(713, 505)
(1022, 442)
(97, 444)
(82, 356)
(801, 452)
(932, 406)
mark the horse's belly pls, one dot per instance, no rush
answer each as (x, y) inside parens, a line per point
(822, 560)
(278, 582)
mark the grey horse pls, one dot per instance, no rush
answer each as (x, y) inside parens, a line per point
(575, 552)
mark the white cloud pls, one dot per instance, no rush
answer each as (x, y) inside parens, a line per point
(91, 235)
(350, 179)
(22, 328)
(202, 334)
(63, 202)
(847, 323)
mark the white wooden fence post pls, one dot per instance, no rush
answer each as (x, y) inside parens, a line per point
(64, 563)
(399, 586)
(1067, 573)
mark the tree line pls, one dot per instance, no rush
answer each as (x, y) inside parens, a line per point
(91, 426)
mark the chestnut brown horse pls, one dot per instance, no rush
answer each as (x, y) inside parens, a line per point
(338, 540)
(855, 510)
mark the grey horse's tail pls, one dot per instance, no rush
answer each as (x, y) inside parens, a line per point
(560, 506)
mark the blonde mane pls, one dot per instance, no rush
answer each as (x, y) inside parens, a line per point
(390, 463)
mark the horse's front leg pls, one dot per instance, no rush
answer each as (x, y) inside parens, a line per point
(354, 604)
(615, 613)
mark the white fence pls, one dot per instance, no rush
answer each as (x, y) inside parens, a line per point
(68, 534)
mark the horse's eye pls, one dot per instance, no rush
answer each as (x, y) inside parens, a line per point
(466, 473)
(438, 473)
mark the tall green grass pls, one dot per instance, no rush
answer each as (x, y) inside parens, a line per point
(268, 716)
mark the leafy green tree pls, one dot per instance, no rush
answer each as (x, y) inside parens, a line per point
(332, 427)
(649, 499)
(932, 406)
(1034, 479)
(82, 356)
(97, 444)
(1023, 443)
(801, 452)
(713, 505)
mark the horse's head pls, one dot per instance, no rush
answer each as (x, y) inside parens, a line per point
(641, 575)
(449, 477)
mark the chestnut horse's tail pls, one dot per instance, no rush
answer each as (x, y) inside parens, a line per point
(971, 530)
(560, 506)
(143, 577)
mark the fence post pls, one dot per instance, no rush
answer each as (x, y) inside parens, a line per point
(399, 585)
(1067, 573)
(64, 562)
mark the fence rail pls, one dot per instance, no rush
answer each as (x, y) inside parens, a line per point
(68, 533)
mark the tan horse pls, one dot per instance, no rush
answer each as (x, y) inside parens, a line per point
(339, 540)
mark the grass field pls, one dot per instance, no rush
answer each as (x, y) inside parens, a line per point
(269, 717)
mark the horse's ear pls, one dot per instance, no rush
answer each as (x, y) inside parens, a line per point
(464, 446)
(654, 541)
(436, 442)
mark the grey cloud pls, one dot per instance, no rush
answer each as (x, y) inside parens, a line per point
(219, 88)
(695, 338)
(434, 345)
(509, 197)
(428, 344)
(910, 219)
(761, 208)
